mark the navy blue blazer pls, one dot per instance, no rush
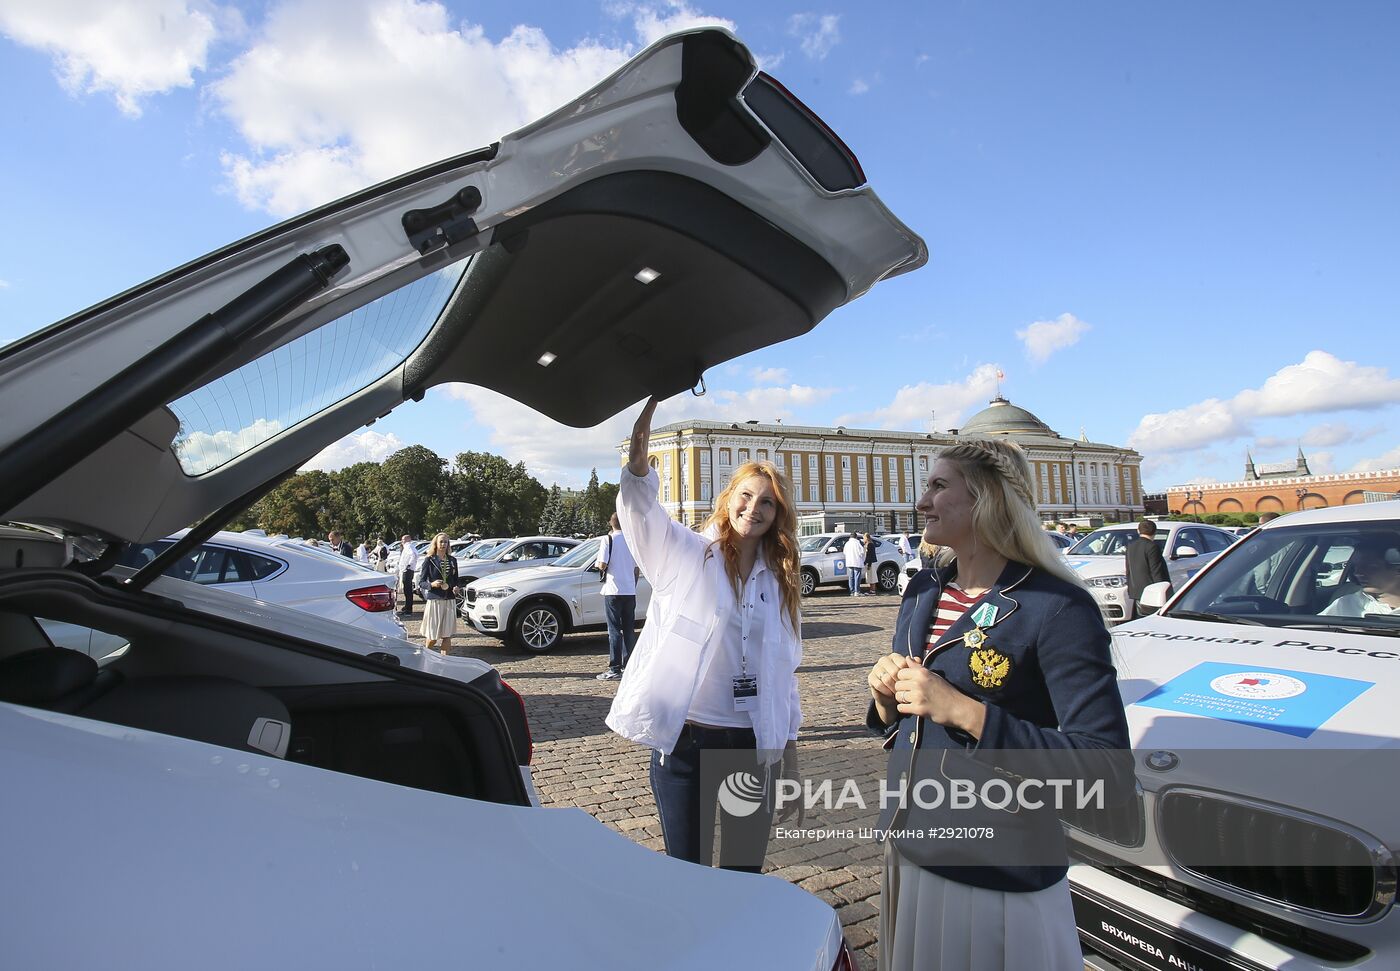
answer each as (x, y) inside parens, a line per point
(1044, 671)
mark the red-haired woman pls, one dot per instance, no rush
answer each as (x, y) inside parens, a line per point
(714, 670)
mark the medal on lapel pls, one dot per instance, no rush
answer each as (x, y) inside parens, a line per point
(975, 638)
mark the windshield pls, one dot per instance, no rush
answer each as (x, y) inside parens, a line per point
(235, 413)
(583, 554)
(487, 549)
(814, 544)
(1112, 542)
(1342, 575)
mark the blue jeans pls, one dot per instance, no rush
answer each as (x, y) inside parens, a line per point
(686, 798)
(622, 629)
(853, 577)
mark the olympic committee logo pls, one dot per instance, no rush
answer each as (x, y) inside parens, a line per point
(741, 793)
(1258, 685)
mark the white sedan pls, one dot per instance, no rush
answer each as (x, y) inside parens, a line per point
(284, 571)
(1099, 559)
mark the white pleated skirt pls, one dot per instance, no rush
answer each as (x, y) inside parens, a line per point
(929, 923)
(439, 619)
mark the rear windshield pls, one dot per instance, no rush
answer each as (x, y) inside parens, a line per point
(236, 413)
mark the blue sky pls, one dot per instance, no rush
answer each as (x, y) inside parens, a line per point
(1173, 226)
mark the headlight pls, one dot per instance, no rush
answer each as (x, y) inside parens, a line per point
(495, 593)
(1118, 581)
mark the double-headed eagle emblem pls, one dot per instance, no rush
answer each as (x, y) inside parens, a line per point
(989, 667)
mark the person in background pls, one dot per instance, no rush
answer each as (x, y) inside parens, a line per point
(341, 546)
(619, 573)
(854, 552)
(870, 560)
(437, 582)
(362, 553)
(1146, 564)
(1375, 566)
(1072, 532)
(381, 556)
(714, 675)
(906, 551)
(408, 565)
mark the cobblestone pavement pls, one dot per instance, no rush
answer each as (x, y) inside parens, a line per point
(579, 762)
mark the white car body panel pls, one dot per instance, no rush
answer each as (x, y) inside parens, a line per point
(832, 567)
(1339, 784)
(403, 878)
(1114, 602)
(578, 587)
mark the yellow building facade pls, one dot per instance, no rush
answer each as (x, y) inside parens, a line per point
(877, 475)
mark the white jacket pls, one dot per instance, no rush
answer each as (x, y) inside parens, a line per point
(691, 605)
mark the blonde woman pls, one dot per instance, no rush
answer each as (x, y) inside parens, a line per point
(999, 649)
(715, 667)
(437, 583)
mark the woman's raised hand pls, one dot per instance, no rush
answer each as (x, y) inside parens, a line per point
(641, 440)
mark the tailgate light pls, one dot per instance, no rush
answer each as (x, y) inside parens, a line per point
(529, 739)
(375, 599)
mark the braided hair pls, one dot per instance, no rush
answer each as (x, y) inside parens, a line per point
(1003, 504)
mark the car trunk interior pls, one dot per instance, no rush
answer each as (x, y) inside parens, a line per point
(189, 676)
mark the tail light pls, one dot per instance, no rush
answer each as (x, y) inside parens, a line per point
(845, 961)
(524, 720)
(375, 599)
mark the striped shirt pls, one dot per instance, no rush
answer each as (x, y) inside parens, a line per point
(952, 605)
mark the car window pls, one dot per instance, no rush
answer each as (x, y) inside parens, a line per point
(137, 555)
(558, 549)
(1187, 537)
(813, 544)
(1104, 542)
(101, 646)
(261, 567)
(531, 551)
(215, 564)
(1216, 541)
(584, 554)
(1346, 573)
(265, 397)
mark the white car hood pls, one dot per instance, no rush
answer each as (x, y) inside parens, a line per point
(515, 578)
(1314, 730)
(252, 862)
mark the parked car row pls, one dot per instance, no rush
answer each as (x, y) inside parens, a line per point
(824, 562)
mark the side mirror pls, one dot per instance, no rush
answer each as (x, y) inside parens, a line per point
(1185, 551)
(509, 558)
(1154, 595)
(833, 549)
(591, 568)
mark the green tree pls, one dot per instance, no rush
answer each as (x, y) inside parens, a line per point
(409, 481)
(501, 498)
(298, 507)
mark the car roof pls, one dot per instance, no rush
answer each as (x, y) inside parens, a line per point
(1361, 512)
(750, 248)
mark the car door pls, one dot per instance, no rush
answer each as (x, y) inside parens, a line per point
(1182, 568)
(833, 559)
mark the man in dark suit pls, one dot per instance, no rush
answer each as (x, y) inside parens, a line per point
(1145, 564)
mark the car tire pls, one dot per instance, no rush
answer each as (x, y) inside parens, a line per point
(888, 577)
(537, 627)
(809, 582)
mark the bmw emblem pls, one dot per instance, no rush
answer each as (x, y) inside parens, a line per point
(1162, 761)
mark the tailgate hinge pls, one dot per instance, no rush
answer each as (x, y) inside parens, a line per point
(443, 225)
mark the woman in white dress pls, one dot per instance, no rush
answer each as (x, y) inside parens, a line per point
(437, 582)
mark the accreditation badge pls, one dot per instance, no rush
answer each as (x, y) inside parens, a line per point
(745, 694)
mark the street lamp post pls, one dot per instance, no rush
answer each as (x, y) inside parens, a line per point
(1195, 499)
(1300, 492)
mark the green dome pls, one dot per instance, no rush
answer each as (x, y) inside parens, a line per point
(1001, 417)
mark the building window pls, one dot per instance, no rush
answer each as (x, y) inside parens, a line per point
(1096, 490)
(705, 489)
(743, 455)
(909, 476)
(923, 463)
(685, 476)
(705, 459)
(1044, 483)
(846, 492)
(831, 492)
(812, 466)
(812, 492)
(726, 457)
(864, 493)
(1056, 493)
(879, 491)
(763, 455)
(845, 463)
(666, 478)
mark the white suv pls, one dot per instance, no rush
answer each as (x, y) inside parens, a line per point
(824, 562)
(1100, 561)
(536, 608)
(515, 554)
(1261, 703)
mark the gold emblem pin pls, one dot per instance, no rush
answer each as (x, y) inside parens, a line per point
(974, 638)
(989, 667)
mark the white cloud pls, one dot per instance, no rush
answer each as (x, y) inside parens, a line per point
(817, 34)
(202, 451)
(1321, 382)
(558, 453)
(334, 95)
(914, 405)
(130, 50)
(769, 375)
(1322, 463)
(858, 86)
(1044, 337)
(1320, 436)
(366, 446)
(1380, 463)
(1202, 480)
(653, 22)
(4, 284)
